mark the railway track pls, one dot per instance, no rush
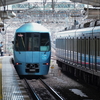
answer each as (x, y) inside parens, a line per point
(39, 90)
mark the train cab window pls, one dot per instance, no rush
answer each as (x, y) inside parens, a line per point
(44, 42)
(36, 42)
(20, 42)
(77, 26)
(29, 42)
(82, 26)
(87, 24)
(32, 42)
(98, 23)
(92, 24)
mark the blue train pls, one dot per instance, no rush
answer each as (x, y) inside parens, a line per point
(78, 51)
(32, 49)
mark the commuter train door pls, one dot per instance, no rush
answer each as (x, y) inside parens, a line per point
(32, 47)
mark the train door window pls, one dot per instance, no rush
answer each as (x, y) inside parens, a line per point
(44, 42)
(20, 42)
(79, 51)
(83, 52)
(98, 53)
(62, 53)
(87, 53)
(60, 47)
(71, 49)
(92, 50)
(63, 47)
(75, 50)
(57, 40)
(68, 49)
(94, 53)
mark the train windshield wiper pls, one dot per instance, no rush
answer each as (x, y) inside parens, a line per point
(18, 50)
(46, 47)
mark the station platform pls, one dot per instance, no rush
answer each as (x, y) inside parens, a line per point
(11, 87)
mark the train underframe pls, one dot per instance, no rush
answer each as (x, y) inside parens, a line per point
(83, 74)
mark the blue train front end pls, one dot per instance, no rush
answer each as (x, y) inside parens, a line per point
(32, 63)
(32, 50)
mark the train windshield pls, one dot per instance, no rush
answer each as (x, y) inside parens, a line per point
(32, 42)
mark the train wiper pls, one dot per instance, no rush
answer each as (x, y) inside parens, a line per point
(46, 47)
(18, 50)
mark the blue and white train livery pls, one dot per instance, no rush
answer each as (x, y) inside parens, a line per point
(32, 49)
(78, 51)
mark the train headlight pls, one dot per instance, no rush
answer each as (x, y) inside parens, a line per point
(18, 63)
(45, 63)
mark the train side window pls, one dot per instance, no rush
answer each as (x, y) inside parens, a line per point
(63, 42)
(87, 46)
(75, 45)
(83, 46)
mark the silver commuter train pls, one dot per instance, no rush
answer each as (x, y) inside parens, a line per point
(78, 52)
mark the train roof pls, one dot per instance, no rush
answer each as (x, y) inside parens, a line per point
(83, 25)
(32, 27)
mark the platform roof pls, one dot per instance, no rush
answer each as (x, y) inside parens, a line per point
(95, 3)
(9, 2)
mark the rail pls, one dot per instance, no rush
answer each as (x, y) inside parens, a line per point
(52, 91)
(32, 92)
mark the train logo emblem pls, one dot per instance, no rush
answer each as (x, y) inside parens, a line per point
(44, 57)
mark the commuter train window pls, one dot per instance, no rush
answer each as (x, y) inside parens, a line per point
(87, 46)
(71, 44)
(83, 46)
(92, 47)
(75, 45)
(20, 42)
(57, 43)
(44, 42)
(63, 44)
(92, 24)
(98, 47)
(98, 23)
(82, 26)
(87, 24)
